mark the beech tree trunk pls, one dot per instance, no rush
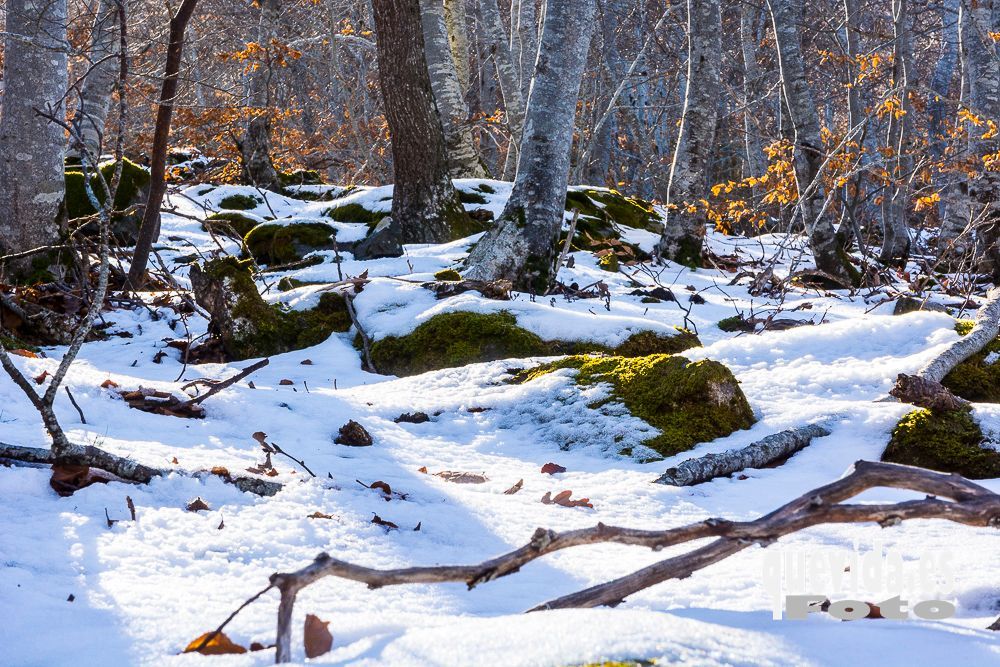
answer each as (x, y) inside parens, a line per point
(895, 237)
(95, 96)
(809, 153)
(508, 75)
(424, 202)
(523, 245)
(457, 36)
(255, 145)
(752, 82)
(32, 149)
(446, 83)
(684, 228)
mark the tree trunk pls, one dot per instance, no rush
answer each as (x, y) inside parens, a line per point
(895, 237)
(523, 245)
(809, 154)
(684, 228)
(752, 83)
(457, 37)
(447, 87)
(424, 202)
(32, 149)
(255, 145)
(508, 77)
(524, 41)
(95, 97)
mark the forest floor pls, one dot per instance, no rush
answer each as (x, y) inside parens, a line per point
(75, 591)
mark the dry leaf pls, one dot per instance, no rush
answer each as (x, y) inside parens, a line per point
(552, 468)
(388, 525)
(316, 636)
(319, 515)
(197, 505)
(260, 437)
(109, 384)
(39, 379)
(306, 362)
(563, 498)
(25, 353)
(67, 479)
(381, 486)
(174, 461)
(422, 469)
(514, 489)
(220, 644)
(462, 477)
(285, 382)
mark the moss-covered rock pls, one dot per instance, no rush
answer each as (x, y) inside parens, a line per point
(946, 441)
(354, 212)
(734, 324)
(229, 223)
(645, 343)
(300, 177)
(689, 402)
(448, 274)
(132, 189)
(609, 262)
(282, 244)
(455, 339)
(976, 379)
(467, 197)
(600, 214)
(250, 327)
(240, 202)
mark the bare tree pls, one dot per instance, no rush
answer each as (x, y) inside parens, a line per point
(523, 245)
(509, 77)
(895, 237)
(99, 81)
(255, 144)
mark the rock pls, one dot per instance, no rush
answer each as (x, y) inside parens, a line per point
(383, 241)
(412, 418)
(353, 434)
(689, 402)
(132, 189)
(909, 304)
(271, 243)
(949, 441)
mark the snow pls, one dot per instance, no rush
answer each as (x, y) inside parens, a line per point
(143, 590)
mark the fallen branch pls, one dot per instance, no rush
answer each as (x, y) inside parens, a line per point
(490, 289)
(755, 455)
(366, 343)
(985, 329)
(925, 393)
(215, 386)
(970, 504)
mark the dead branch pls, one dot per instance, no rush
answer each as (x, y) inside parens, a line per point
(366, 343)
(491, 289)
(970, 504)
(755, 455)
(216, 386)
(925, 393)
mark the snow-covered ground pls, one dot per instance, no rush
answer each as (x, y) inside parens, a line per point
(142, 590)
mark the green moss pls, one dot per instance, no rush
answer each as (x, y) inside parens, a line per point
(229, 223)
(645, 343)
(448, 274)
(239, 202)
(471, 197)
(946, 441)
(455, 339)
(688, 252)
(11, 342)
(205, 191)
(261, 329)
(463, 225)
(974, 379)
(283, 244)
(596, 227)
(300, 177)
(609, 262)
(354, 213)
(734, 324)
(133, 181)
(689, 402)
(287, 283)
(613, 206)
(487, 188)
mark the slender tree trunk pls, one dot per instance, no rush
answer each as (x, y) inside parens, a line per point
(149, 230)
(457, 38)
(524, 41)
(944, 71)
(756, 162)
(32, 149)
(447, 87)
(424, 202)
(895, 236)
(509, 78)
(255, 144)
(809, 154)
(95, 97)
(523, 245)
(684, 228)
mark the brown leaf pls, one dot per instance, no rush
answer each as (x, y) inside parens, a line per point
(67, 478)
(109, 384)
(316, 636)
(24, 353)
(306, 362)
(552, 468)
(197, 505)
(260, 437)
(514, 489)
(462, 477)
(39, 379)
(389, 525)
(563, 498)
(285, 382)
(319, 515)
(422, 469)
(257, 646)
(220, 644)
(381, 486)
(222, 524)
(175, 461)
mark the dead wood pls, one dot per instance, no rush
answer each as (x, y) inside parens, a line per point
(925, 393)
(491, 289)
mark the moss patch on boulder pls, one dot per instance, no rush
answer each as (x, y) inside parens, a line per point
(947, 441)
(300, 177)
(239, 202)
(229, 223)
(596, 225)
(689, 402)
(282, 244)
(645, 343)
(448, 274)
(249, 326)
(354, 213)
(976, 379)
(132, 189)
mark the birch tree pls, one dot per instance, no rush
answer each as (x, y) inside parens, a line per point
(522, 246)
(32, 149)
(684, 228)
(99, 81)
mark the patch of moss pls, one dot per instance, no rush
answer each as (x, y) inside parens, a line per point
(448, 274)
(734, 324)
(229, 223)
(205, 191)
(613, 206)
(455, 339)
(609, 262)
(283, 244)
(240, 202)
(133, 181)
(471, 197)
(689, 402)
(287, 283)
(11, 342)
(645, 343)
(354, 213)
(300, 177)
(946, 441)
(487, 188)
(260, 329)
(974, 379)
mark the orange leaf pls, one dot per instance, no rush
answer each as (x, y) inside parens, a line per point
(220, 644)
(316, 636)
(552, 468)
(39, 379)
(25, 353)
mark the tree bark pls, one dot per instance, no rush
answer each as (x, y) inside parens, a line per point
(255, 144)
(895, 236)
(424, 202)
(32, 149)
(809, 153)
(752, 83)
(508, 76)
(95, 96)
(684, 228)
(457, 37)
(447, 87)
(523, 244)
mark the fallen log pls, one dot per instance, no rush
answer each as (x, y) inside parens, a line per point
(985, 329)
(925, 393)
(755, 455)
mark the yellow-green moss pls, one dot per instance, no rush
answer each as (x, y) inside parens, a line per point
(946, 441)
(974, 379)
(613, 206)
(282, 244)
(455, 339)
(354, 213)
(448, 274)
(300, 177)
(240, 202)
(261, 329)
(229, 223)
(689, 402)
(645, 343)
(609, 262)
(134, 179)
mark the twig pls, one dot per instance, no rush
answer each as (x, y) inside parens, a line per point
(216, 387)
(215, 633)
(565, 250)
(75, 405)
